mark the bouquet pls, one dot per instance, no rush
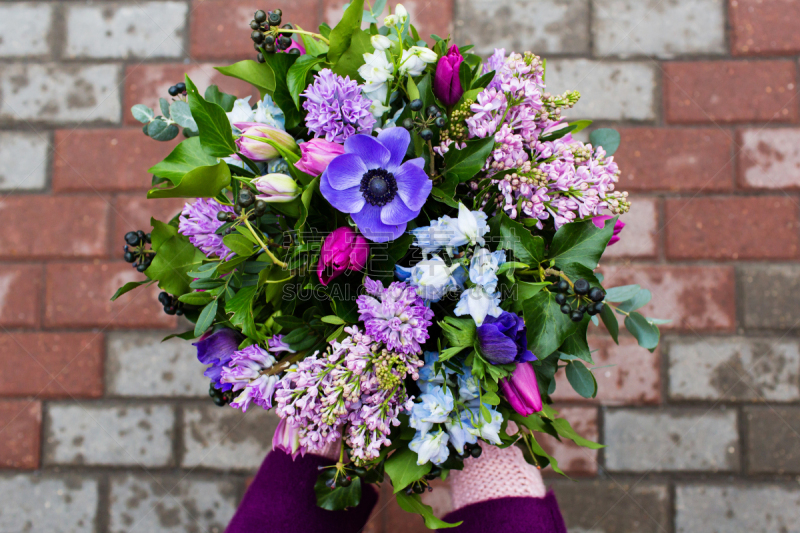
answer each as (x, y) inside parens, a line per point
(395, 248)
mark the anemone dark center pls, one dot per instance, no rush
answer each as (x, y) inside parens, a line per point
(378, 186)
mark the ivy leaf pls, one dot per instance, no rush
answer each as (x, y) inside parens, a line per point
(548, 327)
(646, 333)
(342, 34)
(298, 74)
(511, 235)
(339, 498)
(280, 65)
(187, 156)
(581, 242)
(259, 75)
(608, 138)
(353, 58)
(161, 233)
(128, 287)
(202, 182)
(174, 259)
(524, 290)
(581, 379)
(224, 100)
(413, 504)
(403, 469)
(241, 306)
(577, 345)
(212, 123)
(464, 164)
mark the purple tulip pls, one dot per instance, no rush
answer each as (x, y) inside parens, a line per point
(343, 250)
(256, 150)
(216, 349)
(447, 84)
(317, 155)
(503, 339)
(371, 182)
(522, 390)
(287, 439)
(600, 222)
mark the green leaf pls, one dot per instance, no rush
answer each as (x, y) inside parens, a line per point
(215, 96)
(459, 331)
(239, 244)
(581, 379)
(339, 498)
(565, 430)
(608, 138)
(449, 353)
(202, 182)
(161, 131)
(241, 306)
(464, 164)
(575, 271)
(280, 65)
(342, 34)
(174, 259)
(403, 469)
(259, 75)
(413, 91)
(196, 298)
(313, 46)
(386, 255)
(187, 156)
(142, 113)
(161, 233)
(622, 294)
(641, 299)
(511, 235)
(580, 125)
(646, 333)
(577, 345)
(305, 202)
(610, 321)
(548, 327)
(581, 242)
(128, 287)
(164, 105)
(412, 504)
(524, 290)
(182, 114)
(298, 74)
(332, 319)
(444, 197)
(206, 319)
(212, 123)
(353, 58)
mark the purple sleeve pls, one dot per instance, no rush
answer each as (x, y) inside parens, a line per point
(510, 515)
(281, 500)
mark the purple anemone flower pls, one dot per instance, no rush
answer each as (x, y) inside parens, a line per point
(216, 349)
(503, 339)
(371, 182)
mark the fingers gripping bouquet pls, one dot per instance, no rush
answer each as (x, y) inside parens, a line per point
(394, 248)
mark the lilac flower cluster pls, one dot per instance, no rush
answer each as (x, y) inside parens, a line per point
(336, 108)
(199, 221)
(354, 390)
(562, 178)
(396, 316)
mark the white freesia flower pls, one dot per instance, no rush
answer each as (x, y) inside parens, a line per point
(380, 42)
(411, 64)
(376, 71)
(478, 303)
(425, 54)
(390, 21)
(401, 13)
(377, 108)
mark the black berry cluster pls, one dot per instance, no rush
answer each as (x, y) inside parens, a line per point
(220, 398)
(423, 121)
(137, 251)
(247, 203)
(266, 34)
(172, 306)
(177, 89)
(583, 299)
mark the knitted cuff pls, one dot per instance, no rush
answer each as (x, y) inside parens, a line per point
(495, 474)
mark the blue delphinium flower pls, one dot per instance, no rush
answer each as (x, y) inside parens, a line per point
(450, 233)
(488, 430)
(461, 430)
(434, 408)
(482, 300)
(468, 389)
(433, 278)
(430, 447)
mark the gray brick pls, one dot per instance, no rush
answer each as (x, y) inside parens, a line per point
(773, 440)
(663, 28)
(162, 504)
(542, 27)
(609, 90)
(222, 438)
(736, 509)
(734, 369)
(109, 435)
(610, 507)
(676, 440)
(139, 364)
(60, 93)
(23, 160)
(31, 503)
(147, 29)
(24, 29)
(769, 296)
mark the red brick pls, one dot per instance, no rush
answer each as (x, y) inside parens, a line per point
(763, 227)
(220, 27)
(428, 16)
(106, 159)
(573, 459)
(639, 238)
(632, 374)
(20, 301)
(717, 92)
(693, 297)
(133, 212)
(145, 83)
(769, 158)
(764, 27)
(675, 159)
(20, 430)
(51, 365)
(78, 295)
(54, 226)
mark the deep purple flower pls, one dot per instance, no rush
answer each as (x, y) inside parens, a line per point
(371, 182)
(503, 339)
(199, 222)
(447, 83)
(217, 349)
(336, 108)
(522, 390)
(342, 250)
(600, 222)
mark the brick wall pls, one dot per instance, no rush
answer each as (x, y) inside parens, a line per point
(102, 428)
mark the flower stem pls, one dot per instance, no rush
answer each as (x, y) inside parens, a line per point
(304, 32)
(553, 272)
(264, 246)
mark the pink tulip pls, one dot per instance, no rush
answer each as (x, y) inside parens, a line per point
(317, 154)
(522, 390)
(256, 150)
(446, 82)
(600, 222)
(343, 250)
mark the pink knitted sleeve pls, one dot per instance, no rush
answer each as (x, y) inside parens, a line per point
(330, 451)
(495, 474)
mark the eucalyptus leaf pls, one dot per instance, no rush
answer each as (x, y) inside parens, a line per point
(641, 299)
(182, 114)
(581, 379)
(645, 333)
(142, 113)
(608, 138)
(610, 321)
(164, 105)
(159, 130)
(622, 294)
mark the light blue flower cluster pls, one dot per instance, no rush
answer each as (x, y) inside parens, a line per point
(482, 299)
(462, 418)
(449, 233)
